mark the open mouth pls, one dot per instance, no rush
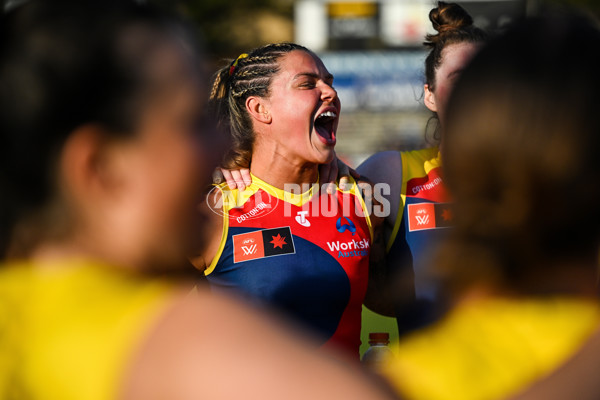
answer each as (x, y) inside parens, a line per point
(325, 126)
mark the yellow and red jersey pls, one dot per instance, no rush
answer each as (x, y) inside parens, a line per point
(305, 254)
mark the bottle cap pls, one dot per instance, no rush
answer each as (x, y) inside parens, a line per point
(379, 337)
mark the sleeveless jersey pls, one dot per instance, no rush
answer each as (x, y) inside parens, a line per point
(491, 348)
(304, 254)
(69, 331)
(422, 218)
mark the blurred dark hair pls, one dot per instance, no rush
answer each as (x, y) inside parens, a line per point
(65, 63)
(251, 76)
(521, 157)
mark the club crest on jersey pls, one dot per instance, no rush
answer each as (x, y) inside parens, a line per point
(242, 205)
(422, 216)
(262, 243)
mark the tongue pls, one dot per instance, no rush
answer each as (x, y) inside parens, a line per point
(324, 131)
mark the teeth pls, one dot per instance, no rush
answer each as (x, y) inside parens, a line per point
(328, 114)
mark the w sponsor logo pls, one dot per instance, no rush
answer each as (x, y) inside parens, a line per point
(423, 216)
(422, 219)
(249, 250)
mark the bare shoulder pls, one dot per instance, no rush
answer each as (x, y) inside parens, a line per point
(382, 167)
(384, 171)
(207, 346)
(209, 240)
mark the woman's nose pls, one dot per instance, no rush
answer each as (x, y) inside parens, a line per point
(328, 93)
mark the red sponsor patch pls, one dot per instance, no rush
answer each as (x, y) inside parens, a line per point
(248, 246)
(421, 216)
(429, 216)
(263, 243)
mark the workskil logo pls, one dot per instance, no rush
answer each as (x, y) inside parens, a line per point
(351, 248)
(262, 243)
(423, 216)
(341, 227)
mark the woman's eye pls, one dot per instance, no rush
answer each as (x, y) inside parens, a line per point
(307, 85)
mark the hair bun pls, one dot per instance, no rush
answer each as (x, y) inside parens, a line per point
(449, 16)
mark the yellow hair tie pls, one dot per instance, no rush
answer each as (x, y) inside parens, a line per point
(235, 63)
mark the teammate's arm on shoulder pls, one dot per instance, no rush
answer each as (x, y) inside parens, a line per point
(235, 178)
(336, 173)
(211, 210)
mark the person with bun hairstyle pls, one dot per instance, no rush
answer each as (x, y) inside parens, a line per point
(284, 242)
(419, 209)
(521, 262)
(105, 150)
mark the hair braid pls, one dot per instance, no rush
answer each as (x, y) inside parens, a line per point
(251, 76)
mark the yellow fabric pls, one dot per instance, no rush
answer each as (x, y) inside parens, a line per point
(69, 331)
(491, 349)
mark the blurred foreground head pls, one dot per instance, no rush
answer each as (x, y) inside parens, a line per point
(521, 159)
(100, 131)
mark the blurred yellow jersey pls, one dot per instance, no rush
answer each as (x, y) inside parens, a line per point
(490, 349)
(69, 331)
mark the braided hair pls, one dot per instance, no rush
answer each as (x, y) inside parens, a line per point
(248, 75)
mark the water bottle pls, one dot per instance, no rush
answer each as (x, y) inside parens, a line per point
(378, 352)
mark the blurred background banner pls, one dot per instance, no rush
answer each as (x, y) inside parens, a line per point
(377, 80)
(373, 48)
(375, 51)
(350, 25)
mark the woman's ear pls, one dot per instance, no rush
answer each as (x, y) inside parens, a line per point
(86, 167)
(429, 99)
(258, 108)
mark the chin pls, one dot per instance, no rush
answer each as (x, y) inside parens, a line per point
(330, 157)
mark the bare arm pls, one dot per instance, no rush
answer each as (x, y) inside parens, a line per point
(385, 171)
(208, 347)
(208, 245)
(336, 171)
(379, 297)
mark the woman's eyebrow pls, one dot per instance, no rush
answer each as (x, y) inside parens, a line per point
(328, 77)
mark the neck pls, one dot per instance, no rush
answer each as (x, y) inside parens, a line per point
(100, 244)
(279, 169)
